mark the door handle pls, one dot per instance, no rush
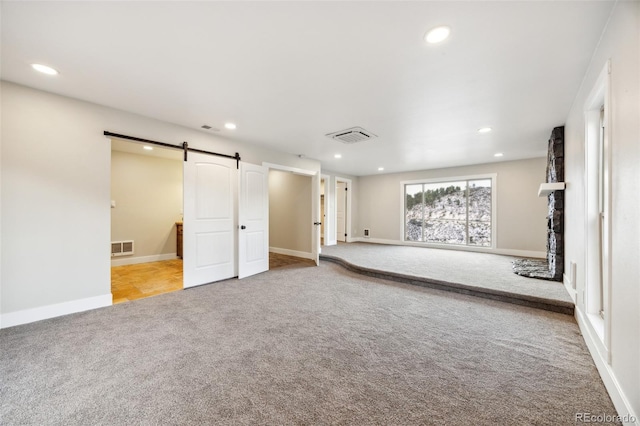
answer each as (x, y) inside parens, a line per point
(317, 223)
(243, 227)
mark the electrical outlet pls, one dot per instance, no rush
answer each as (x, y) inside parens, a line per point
(366, 232)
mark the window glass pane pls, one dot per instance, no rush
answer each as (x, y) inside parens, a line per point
(480, 234)
(445, 212)
(480, 200)
(414, 211)
(445, 231)
(456, 212)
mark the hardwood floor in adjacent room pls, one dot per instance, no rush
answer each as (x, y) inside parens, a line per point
(131, 282)
(282, 260)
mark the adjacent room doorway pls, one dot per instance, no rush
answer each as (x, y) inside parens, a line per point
(219, 227)
(146, 218)
(295, 216)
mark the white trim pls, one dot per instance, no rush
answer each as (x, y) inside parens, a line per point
(618, 397)
(494, 203)
(295, 253)
(143, 259)
(504, 252)
(295, 170)
(50, 311)
(450, 178)
(600, 95)
(566, 281)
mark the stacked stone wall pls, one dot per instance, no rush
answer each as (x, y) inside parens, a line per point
(555, 217)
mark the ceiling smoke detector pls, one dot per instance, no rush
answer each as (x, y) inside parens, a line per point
(352, 135)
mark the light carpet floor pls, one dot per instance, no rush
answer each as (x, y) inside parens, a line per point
(300, 346)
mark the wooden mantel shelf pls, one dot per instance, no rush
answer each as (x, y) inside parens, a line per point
(547, 188)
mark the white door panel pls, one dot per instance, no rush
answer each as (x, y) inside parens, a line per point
(253, 205)
(316, 217)
(210, 187)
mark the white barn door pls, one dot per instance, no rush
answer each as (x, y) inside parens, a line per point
(253, 206)
(210, 188)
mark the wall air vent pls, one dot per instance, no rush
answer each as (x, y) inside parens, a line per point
(121, 248)
(352, 135)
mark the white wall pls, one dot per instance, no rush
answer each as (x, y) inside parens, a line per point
(621, 44)
(147, 191)
(56, 197)
(521, 214)
(289, 212)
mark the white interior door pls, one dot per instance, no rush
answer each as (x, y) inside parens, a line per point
(210, 190)
(253, 207)
(316, 217)
(341, 211)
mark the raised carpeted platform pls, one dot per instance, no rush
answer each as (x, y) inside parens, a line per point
(485, 275)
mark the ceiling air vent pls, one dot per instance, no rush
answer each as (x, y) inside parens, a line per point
(352, 135)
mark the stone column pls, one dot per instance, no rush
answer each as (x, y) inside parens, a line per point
(555, 218)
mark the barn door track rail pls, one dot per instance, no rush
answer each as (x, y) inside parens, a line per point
(184, 147)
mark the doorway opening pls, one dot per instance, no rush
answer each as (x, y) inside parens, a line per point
(146, 219)
(294, 215)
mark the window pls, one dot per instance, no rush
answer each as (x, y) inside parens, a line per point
(596, 297)
(458, 211)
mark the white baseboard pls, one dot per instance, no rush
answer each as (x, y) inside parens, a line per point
(50, 311)
(506, 252)
(618, 397)
(295, 253)
(142, 259)
(567, 285)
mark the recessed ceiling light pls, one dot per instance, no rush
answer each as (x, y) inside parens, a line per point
(148, 148)
(44, 69)
(229, 126)
(380, 169)
(484, 130)
(437, 34)
(338, 156)
(498, 154)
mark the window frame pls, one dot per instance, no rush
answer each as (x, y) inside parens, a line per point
(447, 179)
